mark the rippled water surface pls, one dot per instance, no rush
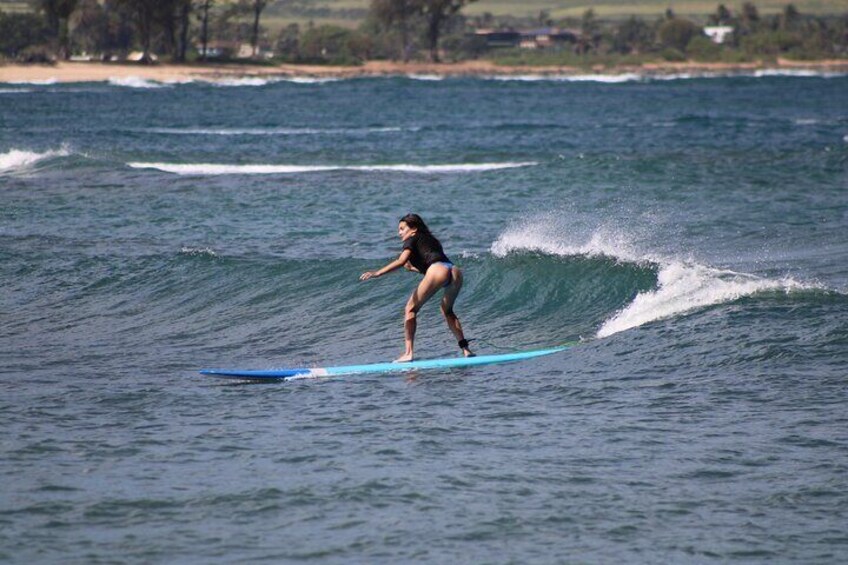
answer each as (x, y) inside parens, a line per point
(691, 233)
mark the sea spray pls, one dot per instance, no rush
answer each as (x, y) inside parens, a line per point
(564, 234)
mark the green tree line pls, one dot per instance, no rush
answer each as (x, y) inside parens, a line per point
(753, 37)
(183, 30)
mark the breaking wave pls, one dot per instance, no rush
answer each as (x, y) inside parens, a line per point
(223, 169)
(605, 78)
(276, 131)
(41, 82)
(682, 286)
(18, 160)
(618, 78)
(135, 82)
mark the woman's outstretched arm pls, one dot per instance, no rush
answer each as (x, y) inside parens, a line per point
(396, 264)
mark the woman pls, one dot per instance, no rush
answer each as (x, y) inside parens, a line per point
(423, 253)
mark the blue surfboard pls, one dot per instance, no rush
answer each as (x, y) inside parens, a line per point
(312, 372)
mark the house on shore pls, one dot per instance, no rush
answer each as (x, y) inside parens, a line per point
(233, 50)
(545, 37)
(527, 39)
(496, 38)
(718, 33)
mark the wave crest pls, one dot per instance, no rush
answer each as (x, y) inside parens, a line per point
(198, 251)
(18, 160)
(223, 169)
(241, 81)
(277, 131)
(135, 82)
(616, 78)
(682, 286)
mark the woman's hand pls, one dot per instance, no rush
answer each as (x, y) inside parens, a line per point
(368, 275)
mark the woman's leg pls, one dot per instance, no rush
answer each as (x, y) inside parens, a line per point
(434, 279)
(451, 292)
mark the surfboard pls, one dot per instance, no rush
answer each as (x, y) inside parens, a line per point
(420, 365)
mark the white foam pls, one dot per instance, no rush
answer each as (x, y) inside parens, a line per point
(610, 79)
(425, 77)
(222, 169)
(459, 168)
(179, 80)
(615, 78)
(135, 82)
(687, 76)
(241, 81)
(798, 73)
(310, 80)
(198, 251)
(273, 131)
(41, 82)
(542, 234)
(17, 160)
(682, 285)
(15, 90)
(233, 131)
(604, 78)
(519, 78)
(266, 80)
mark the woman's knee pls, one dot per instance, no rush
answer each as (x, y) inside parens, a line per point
(411, 310)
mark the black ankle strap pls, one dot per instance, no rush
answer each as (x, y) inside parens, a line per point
(463, 344)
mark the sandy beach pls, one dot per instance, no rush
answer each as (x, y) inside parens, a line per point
(95, 72)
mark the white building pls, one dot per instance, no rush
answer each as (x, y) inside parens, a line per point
(718, 33)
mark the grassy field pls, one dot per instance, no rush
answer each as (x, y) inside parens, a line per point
(623, 8)
(347, 12)
(340, 12)
(14, 7)
(609, 8)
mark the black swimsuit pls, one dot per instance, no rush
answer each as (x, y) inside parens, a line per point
(427, 250)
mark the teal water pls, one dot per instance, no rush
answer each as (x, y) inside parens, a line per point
(691, 232)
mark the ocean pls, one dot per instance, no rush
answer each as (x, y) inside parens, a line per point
(688, 231)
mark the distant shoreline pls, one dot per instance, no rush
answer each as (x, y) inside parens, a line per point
(97, 72)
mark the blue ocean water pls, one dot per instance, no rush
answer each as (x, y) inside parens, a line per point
(691, 232)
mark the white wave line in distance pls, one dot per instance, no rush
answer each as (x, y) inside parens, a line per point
(273, 131)
(219, 169)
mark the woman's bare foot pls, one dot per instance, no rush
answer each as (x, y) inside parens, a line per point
(405, 358)
(468, 353)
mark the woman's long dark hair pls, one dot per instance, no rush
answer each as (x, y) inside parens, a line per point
(415, 222)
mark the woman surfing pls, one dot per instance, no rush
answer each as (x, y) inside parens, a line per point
(423, 254)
